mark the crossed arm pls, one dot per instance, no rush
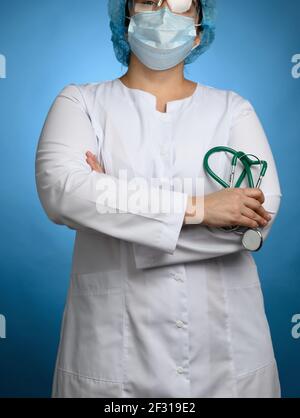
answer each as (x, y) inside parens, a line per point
(68, 190)
(200, 242)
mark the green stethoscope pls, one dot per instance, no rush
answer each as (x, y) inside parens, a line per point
(252, 238)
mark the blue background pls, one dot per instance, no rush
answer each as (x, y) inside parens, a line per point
(49, 44)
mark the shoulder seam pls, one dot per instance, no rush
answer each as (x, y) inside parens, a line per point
(82, 96)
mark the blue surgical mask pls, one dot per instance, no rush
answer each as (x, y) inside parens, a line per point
(161, 39)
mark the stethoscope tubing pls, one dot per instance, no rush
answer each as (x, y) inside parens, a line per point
(247, 163)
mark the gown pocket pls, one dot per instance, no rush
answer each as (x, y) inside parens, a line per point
(249, 330)
(92, 336)
(241, 270)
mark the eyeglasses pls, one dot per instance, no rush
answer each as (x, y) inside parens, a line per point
(189, 8)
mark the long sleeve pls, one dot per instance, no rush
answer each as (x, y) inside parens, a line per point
(200, 242)
(70, 192)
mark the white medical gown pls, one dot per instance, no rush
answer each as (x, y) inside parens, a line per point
(155, 308)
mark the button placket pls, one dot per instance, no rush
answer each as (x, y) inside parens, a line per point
(181, 322)
(164, 149)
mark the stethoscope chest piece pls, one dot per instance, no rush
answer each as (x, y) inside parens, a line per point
(252, 239)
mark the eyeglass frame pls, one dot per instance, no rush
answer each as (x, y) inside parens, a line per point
(199, 13)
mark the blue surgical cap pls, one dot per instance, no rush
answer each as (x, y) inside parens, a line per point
(116, 11)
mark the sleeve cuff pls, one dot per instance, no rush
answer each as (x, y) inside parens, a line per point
(169, 235)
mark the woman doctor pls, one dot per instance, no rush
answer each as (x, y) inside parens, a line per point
(161, 303)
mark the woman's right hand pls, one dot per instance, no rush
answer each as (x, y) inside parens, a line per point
(231, 207)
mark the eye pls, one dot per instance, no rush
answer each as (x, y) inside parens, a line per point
(147, 3)
(140, 5)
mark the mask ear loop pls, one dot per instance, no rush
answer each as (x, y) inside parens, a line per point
(129, 5)
(199, 24)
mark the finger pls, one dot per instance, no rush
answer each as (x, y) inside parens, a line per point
(250, 223)
(89, 154)
(89, 157)
(96, 166)
(89, 160)
(262, 212)
(255, 193)
(92, 157)
(92, 164)
(251, 214)
(257, 207)
(99, 166)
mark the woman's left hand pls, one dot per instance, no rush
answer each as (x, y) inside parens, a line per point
(92, 161)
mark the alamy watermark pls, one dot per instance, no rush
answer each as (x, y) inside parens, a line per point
(296, 67)
(2, 66)
(296, 328)
(140, 195)
(2, 326)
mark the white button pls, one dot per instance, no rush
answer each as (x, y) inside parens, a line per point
(164, 150)
(179, 370)
(179, 323)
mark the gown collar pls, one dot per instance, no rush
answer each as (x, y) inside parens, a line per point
(149, 99)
